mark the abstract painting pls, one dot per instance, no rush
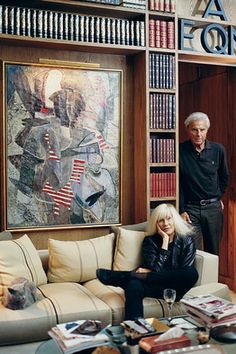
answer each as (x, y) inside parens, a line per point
(62, 146)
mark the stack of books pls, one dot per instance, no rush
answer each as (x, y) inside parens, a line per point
(72, 337)
(210, 310)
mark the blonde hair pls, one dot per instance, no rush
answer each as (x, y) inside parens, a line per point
(195, 116)
(182, 228)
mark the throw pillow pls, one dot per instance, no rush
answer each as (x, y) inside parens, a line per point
(19, 258)
(128, 249)
(77, 261)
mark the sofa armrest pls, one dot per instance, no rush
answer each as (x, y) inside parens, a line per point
(207, 265)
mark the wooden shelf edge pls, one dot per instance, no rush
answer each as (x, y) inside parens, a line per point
(160, 199)
(72, 45)
(204, 58)
(98, 8)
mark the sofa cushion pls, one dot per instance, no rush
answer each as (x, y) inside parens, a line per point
(72, 301)
(31, 324)
(128, 249)
(19, 258)
(77, 261)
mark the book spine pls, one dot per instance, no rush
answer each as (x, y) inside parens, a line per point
(5, 19)
(86, 28)
(157, 33)
(66, 26)
(55, 25)
(11, 19)
(45, 23)
(60, 25)
(132, 33)
(76, 32)
(118, 31)
(33, 22)
(156, 5)
(170, 35)
(167, 6)
(17, 21)
(50, 24)
(151, 33)
(39, 23)
(163, 35)
(103, 29)
(172, 6)
(81, 28)
(151, 5)
(91, 29)
(161, 5)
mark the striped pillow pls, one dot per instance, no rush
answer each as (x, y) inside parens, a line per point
(19, 258)
(77, 261)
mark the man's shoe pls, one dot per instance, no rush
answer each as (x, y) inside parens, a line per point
(113, 277)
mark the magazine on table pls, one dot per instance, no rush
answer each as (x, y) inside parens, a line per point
(210, 305)
(78, 335)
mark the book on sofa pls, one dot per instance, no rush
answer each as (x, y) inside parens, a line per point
(74, 336)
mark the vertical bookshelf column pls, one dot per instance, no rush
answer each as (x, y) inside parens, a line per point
(162, 103)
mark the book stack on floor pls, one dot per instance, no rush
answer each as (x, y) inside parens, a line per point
(72, 337)
(210, 310)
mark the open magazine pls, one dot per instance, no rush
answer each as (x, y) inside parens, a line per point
(78, 335)
(210, 305)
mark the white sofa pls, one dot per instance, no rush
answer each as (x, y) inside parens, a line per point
(67, 286)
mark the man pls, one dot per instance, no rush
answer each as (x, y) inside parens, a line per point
(203, 180)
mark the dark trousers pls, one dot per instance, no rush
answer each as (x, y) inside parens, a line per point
(208, 223)
(136, 289)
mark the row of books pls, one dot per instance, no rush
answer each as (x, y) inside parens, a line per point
(135, 4)
(162, 5)
(161, 34)
(59, 25)
(108, 2)
(210, 310)
(161, 71)
(162, 111)
(162, 184)
(162, 150)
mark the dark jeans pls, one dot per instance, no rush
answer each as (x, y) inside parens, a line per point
(208, 223)
(181, 280)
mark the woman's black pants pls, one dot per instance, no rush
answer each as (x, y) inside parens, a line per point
(182, 280)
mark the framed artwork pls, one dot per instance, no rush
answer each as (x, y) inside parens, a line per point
(62, 143)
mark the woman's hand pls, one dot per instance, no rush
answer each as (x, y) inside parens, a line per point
(164, 236)
(142, 270)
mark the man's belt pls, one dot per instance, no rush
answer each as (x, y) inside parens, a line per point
(203, 201)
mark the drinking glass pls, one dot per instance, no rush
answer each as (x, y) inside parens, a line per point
(169, 296)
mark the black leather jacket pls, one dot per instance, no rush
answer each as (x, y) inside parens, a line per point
(157, 259)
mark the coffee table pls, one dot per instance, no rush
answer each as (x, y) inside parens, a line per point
(51, 347)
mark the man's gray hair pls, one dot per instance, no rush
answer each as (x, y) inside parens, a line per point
(197, 116)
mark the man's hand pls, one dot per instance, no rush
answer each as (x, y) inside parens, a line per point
(186, 217)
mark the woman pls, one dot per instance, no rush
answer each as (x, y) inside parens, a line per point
(168, 255)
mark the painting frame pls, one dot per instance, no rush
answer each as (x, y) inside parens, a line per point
(61, 141)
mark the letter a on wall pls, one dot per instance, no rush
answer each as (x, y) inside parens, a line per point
(218, 12)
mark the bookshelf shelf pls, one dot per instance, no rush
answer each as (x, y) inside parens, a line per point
(71, 45)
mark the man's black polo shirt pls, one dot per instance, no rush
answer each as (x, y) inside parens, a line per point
(203, 175)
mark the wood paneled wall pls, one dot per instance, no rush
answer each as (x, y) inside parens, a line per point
(211, 89)
(31, 54)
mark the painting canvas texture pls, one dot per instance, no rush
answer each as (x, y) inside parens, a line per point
(63, 146)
